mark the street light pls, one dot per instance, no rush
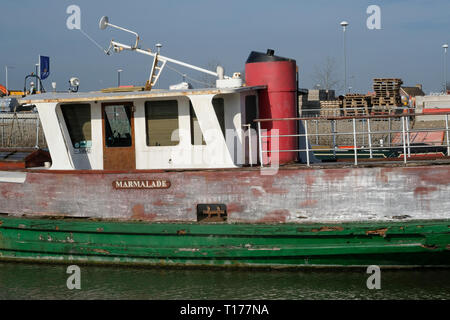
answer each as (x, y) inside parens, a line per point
(38, 87)
(118, 77)
(344, 25)
(6, 75)
(445, 46)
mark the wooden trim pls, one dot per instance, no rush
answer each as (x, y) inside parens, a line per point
(130, 158)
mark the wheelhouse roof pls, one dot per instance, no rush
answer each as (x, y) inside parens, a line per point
(114, 96)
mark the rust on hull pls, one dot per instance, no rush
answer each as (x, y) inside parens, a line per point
(296, 195)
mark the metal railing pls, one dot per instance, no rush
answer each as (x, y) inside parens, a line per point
(21, 130)
(405, 148)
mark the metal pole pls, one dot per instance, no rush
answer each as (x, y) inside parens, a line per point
(370, 138)
(37, 133)
(345, 63)
(306, 143)
(6, 76)
(317, 131)
(161, 58)
(445, 71)
(362, 129)
(354, 141)
(446, 130)
(389, 130)
(445, 46)
(333, 129)
(250, 145)
(260, 145)
(118, 77)
(404, 139)
(407, 136)
(38, 67)
(3, 130)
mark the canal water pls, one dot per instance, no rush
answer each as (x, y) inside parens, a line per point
(28, 281)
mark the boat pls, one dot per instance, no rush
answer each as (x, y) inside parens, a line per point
(344, 153)
(213, 177)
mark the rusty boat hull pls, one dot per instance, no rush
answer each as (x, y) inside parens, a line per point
(398, 244)
(346, 216)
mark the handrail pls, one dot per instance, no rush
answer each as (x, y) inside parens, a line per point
(405, 134)
(377, 116)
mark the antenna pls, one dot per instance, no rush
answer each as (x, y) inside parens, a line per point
(157, 57)
(158, 47)
(104, 22)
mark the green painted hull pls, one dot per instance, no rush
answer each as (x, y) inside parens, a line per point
(412, 243)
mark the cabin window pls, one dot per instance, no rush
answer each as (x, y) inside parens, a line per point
(78, 122)
(162, 123)
(117, 126)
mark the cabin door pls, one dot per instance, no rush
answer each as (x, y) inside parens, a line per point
(118, 136)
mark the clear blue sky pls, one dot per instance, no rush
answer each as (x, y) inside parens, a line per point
(200, 31)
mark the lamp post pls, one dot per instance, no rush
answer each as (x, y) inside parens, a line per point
(445, 46)
(38, 87)
(6, 75)
(118, 77)
(344, 25)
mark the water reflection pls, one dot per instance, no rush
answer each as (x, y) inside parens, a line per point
(27, 281)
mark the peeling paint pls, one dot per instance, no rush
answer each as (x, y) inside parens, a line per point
(234, 207)
(101, 251)
(428, 246)
(161, 203)
(405, 216)
(275, 216)
(424, 190)
(331, 175)
(309, 203)
(264, 249)
(257, 192)
(188, 249)
(327, 229)
(378, 232)
(140, 214)
(336, 195)
(247, 244)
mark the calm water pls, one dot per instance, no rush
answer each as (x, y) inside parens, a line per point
(26, 281)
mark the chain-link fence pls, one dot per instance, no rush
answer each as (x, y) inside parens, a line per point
(21, 130)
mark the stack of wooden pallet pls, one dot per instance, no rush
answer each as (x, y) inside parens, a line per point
(356, 104)
(387, 95)
(331, 108)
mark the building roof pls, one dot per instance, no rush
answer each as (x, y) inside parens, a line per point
(412, 91)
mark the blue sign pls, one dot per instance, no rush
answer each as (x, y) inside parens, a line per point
(45, 66)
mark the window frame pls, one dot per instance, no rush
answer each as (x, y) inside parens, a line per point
(67, 132)
(147, 106)
(128, 108)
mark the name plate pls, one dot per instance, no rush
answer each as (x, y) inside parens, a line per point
(141, 184)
